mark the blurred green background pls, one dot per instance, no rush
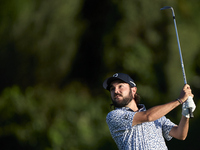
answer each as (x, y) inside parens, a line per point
(54, 56)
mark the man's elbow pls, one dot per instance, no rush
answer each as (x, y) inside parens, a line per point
(150, 117)
(183, 137)
(178, 133)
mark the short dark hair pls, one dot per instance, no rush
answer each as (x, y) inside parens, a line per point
(137, 98)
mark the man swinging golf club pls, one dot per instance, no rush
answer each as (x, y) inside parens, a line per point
(133, 127)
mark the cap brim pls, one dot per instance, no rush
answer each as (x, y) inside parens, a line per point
(108, 81)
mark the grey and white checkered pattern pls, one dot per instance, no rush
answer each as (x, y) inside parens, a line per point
(145, 136)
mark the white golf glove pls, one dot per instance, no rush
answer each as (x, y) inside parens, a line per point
(188, 104)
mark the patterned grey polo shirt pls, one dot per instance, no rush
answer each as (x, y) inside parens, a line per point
(144, 136)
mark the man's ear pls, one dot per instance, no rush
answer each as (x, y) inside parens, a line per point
(134, 90)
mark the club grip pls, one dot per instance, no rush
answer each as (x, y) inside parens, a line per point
(190, 112)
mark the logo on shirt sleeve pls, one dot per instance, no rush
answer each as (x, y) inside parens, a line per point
(126, 117)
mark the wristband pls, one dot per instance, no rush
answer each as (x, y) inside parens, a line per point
(180, 101)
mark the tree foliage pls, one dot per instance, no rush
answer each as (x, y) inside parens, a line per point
(54, 56)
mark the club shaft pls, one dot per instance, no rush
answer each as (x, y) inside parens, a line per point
(180, 53)
(181, 58)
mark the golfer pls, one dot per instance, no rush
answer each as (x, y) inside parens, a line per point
(133, 127)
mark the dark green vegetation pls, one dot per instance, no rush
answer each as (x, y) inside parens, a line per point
(54, 56)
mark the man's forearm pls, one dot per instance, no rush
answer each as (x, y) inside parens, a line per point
(154, 113)
(180, 132)
(159, 111)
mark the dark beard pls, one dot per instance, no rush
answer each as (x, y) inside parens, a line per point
(124, 102)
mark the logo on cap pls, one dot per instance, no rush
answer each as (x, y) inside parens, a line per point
(115, 75)
(133, 83)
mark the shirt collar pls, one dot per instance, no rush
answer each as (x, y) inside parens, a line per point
(141, 108)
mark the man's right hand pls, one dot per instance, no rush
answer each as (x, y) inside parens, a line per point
(185, 93)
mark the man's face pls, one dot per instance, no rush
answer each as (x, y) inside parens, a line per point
(121, 93)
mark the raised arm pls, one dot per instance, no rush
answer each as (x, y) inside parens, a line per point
(159, 111)
(180, 131)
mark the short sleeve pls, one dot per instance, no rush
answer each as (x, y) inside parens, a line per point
(119, 120)
(167, 125)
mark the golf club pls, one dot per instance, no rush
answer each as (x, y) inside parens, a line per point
(181, 58)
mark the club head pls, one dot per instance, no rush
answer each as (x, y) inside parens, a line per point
(166, 7)
(169, 7)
